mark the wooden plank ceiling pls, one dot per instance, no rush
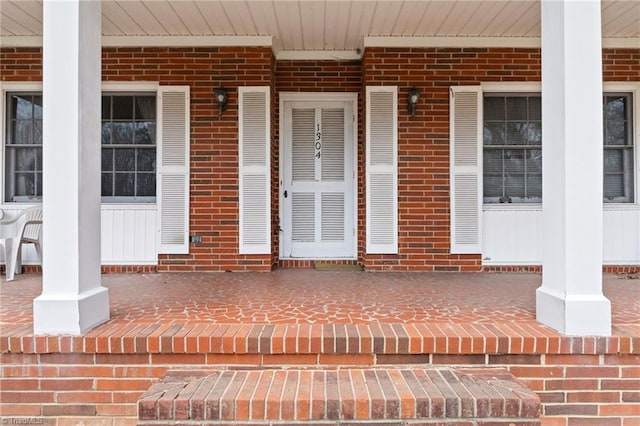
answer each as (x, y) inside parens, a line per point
(317, 25)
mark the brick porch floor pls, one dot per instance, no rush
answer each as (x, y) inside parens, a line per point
(307, 296)
(304, 318)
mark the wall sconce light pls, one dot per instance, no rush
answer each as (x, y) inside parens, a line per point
(221, 98)
(412, 100)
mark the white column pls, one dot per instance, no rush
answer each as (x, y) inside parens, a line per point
(73, 299)
(570, 299)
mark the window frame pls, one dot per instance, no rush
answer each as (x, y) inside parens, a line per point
(505, 88)
(5, 89)
(523, 148)
(106, 87)
(7, 147)
(120, 199)
(632, 88)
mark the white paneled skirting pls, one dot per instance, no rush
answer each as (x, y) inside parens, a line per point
(510, 236)
(129, 236)
(513, 235)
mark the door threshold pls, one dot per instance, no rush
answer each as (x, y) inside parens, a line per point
(336, 264)
(328, 266)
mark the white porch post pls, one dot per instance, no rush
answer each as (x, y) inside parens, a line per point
(570, 299)
(72, 299)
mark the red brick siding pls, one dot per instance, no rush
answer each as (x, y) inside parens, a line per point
(621, 65)
(214, 141)
(21, 64)
(423, 140)
(104, 385)
(318, 76)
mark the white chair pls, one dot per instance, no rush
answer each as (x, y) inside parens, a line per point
(24, 228)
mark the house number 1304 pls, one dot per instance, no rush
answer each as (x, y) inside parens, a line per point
(318, 146)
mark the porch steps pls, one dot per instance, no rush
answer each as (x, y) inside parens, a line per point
(353, 396)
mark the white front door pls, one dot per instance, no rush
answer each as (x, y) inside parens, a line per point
(318, 179)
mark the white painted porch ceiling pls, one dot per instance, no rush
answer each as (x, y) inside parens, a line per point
(317, 25)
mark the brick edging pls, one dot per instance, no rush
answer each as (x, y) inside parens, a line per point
(374, 338)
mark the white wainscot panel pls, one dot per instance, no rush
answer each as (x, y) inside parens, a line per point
(129, 235)
(621, 237)
(513, 236)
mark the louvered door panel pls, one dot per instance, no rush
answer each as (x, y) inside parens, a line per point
(302, 137)
(333, 144)
(332, 217)
(303, 208)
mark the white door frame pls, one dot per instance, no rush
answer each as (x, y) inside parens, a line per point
(286, 97)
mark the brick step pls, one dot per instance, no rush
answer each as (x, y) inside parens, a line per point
(393, 396)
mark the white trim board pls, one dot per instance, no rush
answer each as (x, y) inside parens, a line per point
(281, 54)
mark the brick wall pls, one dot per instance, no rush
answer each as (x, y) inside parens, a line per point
(20, 64)
(423, 140)
(621, 65)
(423, 150)
(214, 141)
(581, 381)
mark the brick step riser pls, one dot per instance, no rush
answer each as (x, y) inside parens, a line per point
(452, 422)
(365, 395)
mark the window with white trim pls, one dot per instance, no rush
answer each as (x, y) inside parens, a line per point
(618, 148)
(23, 147)
(512, 148)
(496, 156)
(129, 147)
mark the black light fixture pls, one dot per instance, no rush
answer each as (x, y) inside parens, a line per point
(412, 100)
(221, 98)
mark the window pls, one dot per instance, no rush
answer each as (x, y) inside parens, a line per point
(618, 148)
(128, 147)
(512, 148)
(23, 179)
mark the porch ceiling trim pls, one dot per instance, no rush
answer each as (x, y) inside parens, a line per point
(281, 54)
(184, 41)
(443, 41)
(154, 41)
(523, 42)
(319, 55)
